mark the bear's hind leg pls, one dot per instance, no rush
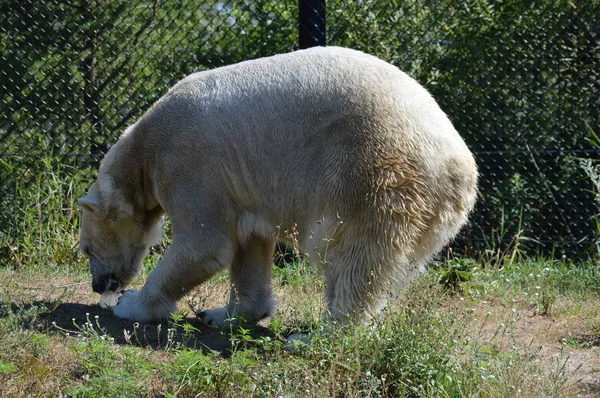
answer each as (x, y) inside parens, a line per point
(250, 275)
(357, 284)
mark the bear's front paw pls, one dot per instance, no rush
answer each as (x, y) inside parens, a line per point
(132, 307)
(217, 317)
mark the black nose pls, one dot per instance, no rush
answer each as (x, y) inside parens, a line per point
(106, 282)
(114, 283)
(95, 286)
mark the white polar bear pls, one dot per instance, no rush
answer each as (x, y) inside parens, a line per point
(338, 146)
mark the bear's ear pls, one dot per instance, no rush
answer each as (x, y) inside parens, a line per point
(90, 202)
(106, 202)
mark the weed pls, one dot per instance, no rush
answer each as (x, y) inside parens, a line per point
(195, 371)
(7, 367)
(105, 369)
(423, 345)
(454, 274)
(500, 250)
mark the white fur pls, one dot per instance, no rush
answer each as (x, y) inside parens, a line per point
(330, 149)
(131, 306)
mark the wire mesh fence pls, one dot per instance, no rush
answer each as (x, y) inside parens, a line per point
(520, 80)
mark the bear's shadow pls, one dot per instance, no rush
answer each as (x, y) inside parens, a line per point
(70, 318)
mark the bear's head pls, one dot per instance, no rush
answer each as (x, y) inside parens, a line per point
(115, 236)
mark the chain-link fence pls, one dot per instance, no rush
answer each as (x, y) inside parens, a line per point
(519, 79)
(521, 82)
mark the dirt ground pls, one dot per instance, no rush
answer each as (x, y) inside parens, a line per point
(548, 336)
(71, 302)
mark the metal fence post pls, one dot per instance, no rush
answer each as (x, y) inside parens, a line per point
(311, 22)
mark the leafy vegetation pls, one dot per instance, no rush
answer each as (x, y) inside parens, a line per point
(44, 215)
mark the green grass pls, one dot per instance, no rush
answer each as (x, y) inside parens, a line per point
(432, 342)
(40, 217)
(530, 328)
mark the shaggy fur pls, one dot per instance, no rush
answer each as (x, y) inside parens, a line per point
(335, 151)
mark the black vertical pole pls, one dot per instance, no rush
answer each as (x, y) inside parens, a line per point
(311, 20)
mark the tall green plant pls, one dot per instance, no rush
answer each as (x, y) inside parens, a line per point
(44, 219)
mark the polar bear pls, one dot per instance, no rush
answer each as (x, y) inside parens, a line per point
(340, 147)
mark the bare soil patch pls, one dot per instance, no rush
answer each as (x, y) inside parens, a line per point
(558, 340)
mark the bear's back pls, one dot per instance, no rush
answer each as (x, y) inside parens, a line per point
(315, 124)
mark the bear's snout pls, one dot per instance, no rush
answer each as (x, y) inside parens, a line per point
(106, 282)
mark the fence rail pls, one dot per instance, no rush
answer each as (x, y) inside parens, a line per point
(519, 79)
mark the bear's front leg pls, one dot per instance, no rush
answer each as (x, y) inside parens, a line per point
(175, 275)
